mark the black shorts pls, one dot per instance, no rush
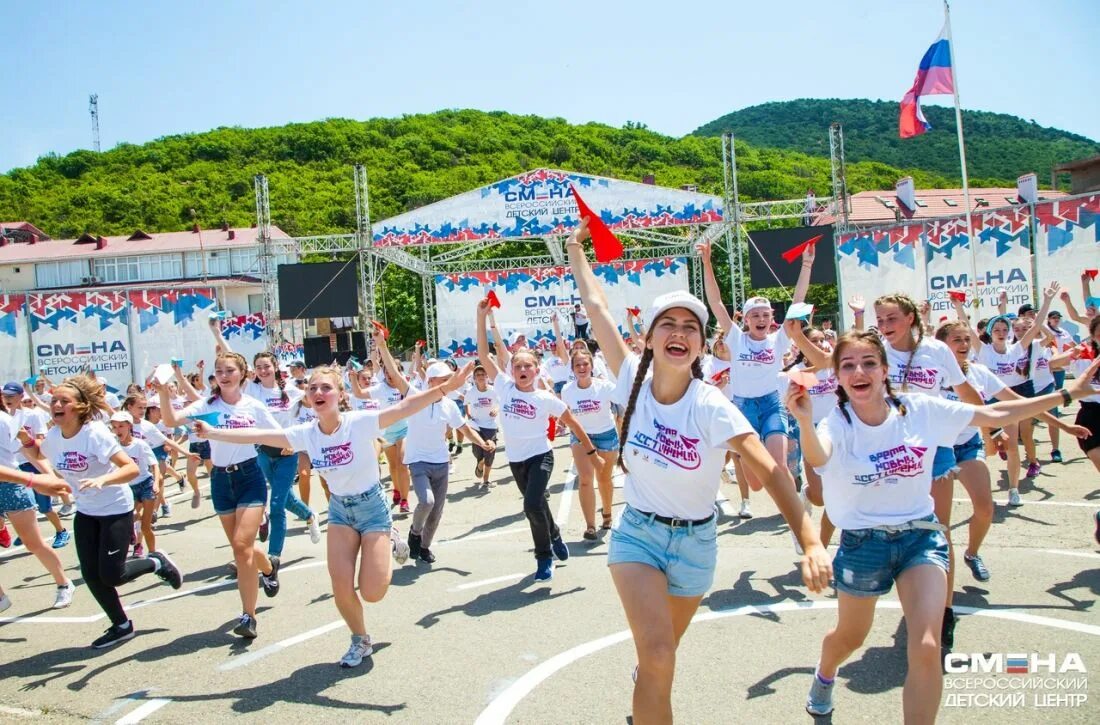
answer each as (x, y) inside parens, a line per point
(200, 447)
(1089, 417)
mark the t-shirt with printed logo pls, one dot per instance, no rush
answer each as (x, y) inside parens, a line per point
(525, 417)
(1005, 365)
(247, 413)
(882, 474)
(141, 454)
(146, 431)
(272, 398)
(755, 364)
(932, 365)
(346, 457)
(674, 453)
(88, 455)
(591, 406)
(427, 439)
(480, 404)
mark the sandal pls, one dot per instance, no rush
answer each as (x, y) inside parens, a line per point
(590, 533)
(606, 522)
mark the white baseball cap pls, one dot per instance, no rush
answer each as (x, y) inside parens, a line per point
(122, 416)
(438, 370)
(679, 298)
(756, 303)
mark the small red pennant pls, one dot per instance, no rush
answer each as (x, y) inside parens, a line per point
(957, 296)
(636, 311)
(943, 318)
(381, 328)
(494, 301)
(796, 251)
(552, 429)
(1092, 273)
(717, 377)
(605, 244)
(421, 343)
(1086, 352)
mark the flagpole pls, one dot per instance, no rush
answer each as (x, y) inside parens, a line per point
(971, 240)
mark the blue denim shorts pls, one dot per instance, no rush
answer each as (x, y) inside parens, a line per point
(16, 497)
(395, 433)
(944, 463)
(606, 441)
(971, 450)
(143, 490)
(44, 502)
(794, 447)
(366, 512)
(765, 414)
(868, 560)
(686, 555)
(242, 488)
(161, 452)
(202, 448)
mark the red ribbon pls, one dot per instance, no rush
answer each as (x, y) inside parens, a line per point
(605, 244)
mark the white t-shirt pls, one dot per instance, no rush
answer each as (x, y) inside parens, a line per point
(675, 453)
(480, 404)
(591, 406)
(247, 413)
(1078, 368)
(88, 455)
(580, 316)
(525, 418)
(882, 475)
(9, 440)
(146, 431)
(556, 369)
(386, 395)
(142, 455)
(346, 458)
(1041, 375)
(933, 364)
(1062, 338)
(302, 414)
(823, 395)
(34, 425)
(755, 365)
(1004, 365)
(712, 366)
(272, 398)
(427, 439)
(985, 384)
(112, 399)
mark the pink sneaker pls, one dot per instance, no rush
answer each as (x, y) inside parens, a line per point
(139, 551)
(1033, 469)
(404, 506)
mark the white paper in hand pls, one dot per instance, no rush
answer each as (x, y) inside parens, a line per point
(800, 311)
(163, 373)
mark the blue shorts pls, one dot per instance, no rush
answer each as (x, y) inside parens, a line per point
(686, 555)
(161, 452)
(44, 502)
(202, 448)
(558, 387)
(15, 497)
(395, 433)
(794, 447)
(242, 488)
(765, 414)
(944, 464)
(868, 560)
(367, 512)
(971, 450)
(606, 441)
(143, 491)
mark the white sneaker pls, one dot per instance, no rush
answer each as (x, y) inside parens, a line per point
(1014, 497)
(314, 529)
(746, 512)
(400, 546)
(726, 476)
(5, 603)
(66, 510)
(356, 652)
(64, 596)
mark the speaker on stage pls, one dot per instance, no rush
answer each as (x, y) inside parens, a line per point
(318, 351)
(359, 344)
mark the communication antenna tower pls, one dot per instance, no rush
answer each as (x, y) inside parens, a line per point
(93, 108)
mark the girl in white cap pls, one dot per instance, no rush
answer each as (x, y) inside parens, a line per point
(676, 431)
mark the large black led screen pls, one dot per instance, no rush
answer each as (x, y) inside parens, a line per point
(326, 289)
(768, 246)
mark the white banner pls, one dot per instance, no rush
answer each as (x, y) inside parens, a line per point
(15, 344)
(74, 331)
(171, 323)
(879, 262)
(530, 297)
(1068, 243)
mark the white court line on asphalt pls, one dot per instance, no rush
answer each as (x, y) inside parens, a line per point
(497, 711)
(486, 535)
(566, 499)
(487, 582)
(1066, 552)
(19, 711)
(249, 658)
(998, 502)
(147, 709)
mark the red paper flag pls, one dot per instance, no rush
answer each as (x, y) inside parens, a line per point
(957, 296)
(606, 245)
(943, 318)
(1092, 273)
(494, 301)
(796, 251)
(381, 328)
(636, 311)
(717, 377)
(552, 429)
(1086, 352)
(421, 343)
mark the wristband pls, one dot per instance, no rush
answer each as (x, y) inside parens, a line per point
(592, 452)
(30, 480)
(1067, 398)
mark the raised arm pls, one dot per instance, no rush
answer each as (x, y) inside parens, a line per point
(504, 355)
(487, 360)
(1071, 311)
(802, 286)
(595, 301)
(1002, 304)
(1086, 287)
(1033, 332)
(713, 291)
(220, 344)
(394, 369)
(184, 384)
(817, 357)
(559, 341)
(858, 306)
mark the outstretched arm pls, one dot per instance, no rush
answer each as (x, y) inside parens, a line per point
(1048, 296)
(595, 301)
(857, 305)
(817, 357)
(713, 291)
(219, 339)
(802, 286)
(483, 355)
(394, 369)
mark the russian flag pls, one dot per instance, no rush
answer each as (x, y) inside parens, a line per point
(934, 78)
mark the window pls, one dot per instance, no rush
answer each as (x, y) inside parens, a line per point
(244, 261)
(255, 304)
(217, 264)
(61, 274)
(139, 268)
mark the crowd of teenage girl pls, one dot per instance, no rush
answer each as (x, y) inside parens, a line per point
(873, 427)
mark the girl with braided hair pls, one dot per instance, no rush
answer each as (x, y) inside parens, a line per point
(676, 431)
(876, 454)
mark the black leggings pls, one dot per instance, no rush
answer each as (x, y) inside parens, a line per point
(102, 544)
(532, 477)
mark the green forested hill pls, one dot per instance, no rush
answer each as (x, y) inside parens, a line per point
(998, 146)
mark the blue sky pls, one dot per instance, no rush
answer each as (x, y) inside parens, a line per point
(163, 68)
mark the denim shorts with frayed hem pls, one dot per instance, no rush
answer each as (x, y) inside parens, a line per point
(366, 512)
(686, 554)
(244, 487)
(15, 497)
(143, 491)
(606, 441)
(971, 450)
(869, 560)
